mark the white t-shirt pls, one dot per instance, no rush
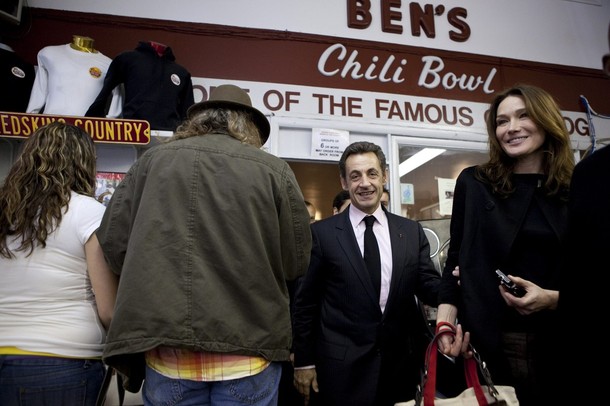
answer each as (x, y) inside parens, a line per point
(67, 82)
(46, 300)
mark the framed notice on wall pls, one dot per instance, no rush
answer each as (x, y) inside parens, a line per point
(106, 183)
(407, 194)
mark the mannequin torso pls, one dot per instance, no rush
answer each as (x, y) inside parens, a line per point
(69, 78)
(157, 89)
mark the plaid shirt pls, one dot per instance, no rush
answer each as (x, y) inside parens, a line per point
(178, 363)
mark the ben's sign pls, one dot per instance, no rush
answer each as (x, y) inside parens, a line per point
(113, 131)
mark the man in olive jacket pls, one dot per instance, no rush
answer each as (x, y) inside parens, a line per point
(204, 230)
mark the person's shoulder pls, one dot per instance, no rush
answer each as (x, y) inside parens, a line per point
(267, 157)
(467, 175)
(395, 218)
(89, 203)
(152, 153)
(332, 221)
(83, 198)
(405, 224)
(595, 162)
(468, 171)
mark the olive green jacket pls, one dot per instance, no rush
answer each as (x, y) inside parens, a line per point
(204, 232)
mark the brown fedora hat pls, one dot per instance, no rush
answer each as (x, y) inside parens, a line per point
(233, 97)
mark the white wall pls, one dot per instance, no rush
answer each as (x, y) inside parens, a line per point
(565, 32)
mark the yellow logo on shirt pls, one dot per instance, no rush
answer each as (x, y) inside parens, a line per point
(95, 72)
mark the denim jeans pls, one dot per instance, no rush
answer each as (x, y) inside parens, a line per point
(32, 380)
(259, 390)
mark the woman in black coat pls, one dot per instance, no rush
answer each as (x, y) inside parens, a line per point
(511, 214)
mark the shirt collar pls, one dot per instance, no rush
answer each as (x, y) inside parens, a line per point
(356, 216)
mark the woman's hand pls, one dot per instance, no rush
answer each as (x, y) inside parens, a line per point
(534, 300)
(455, 345)
(456, 273)
(450, 344)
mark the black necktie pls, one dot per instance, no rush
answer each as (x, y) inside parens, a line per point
(371, 253)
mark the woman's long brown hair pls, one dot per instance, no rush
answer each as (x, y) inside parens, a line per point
(55, 160)
(558, 161)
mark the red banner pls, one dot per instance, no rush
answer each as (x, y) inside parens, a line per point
(106, 130)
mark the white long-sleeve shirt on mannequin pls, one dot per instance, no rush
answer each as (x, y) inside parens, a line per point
(68, 81)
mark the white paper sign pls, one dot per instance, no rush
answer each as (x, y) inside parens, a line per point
(328, 143)
(445, 195)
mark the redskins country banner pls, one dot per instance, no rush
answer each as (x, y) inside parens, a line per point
(104, 130)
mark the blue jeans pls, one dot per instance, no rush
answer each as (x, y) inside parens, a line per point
(259, 390)
(32, 380)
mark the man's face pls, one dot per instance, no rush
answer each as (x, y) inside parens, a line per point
(364, 180)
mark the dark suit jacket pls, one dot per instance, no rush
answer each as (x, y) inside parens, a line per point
(339, 326)
(585, 277)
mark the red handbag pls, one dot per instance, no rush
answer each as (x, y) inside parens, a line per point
(475, 395)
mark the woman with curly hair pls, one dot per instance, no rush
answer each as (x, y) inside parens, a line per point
(510, 213)
(57, 293)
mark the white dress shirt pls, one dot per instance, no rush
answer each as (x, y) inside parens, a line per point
(382, 233)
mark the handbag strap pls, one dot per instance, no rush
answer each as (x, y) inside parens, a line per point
(429, 377)
(470, 371)
(472, 379)
(101, 397)
(475, 362)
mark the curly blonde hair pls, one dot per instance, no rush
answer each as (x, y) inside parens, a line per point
(54, 161)
(236, 123)
(558, 162)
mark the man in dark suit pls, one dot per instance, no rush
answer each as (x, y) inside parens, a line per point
(352, 344)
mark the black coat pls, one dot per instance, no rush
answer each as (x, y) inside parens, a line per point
(484, 228)
(16, 81)
(585, 278)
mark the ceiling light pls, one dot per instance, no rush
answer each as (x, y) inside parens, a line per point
(419, 159)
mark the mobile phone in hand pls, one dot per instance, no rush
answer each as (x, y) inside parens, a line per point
(510, 286)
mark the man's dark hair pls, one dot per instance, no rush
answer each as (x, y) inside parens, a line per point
(361, 147)
(340, 198)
